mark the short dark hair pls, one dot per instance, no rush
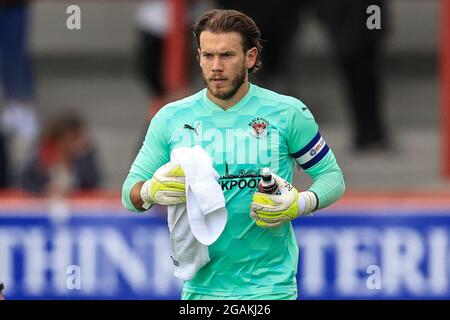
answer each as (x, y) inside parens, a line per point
(222, 21)
(58, 127)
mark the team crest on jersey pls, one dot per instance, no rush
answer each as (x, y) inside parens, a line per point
(259, 126)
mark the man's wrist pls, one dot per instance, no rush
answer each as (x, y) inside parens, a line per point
(307, 202)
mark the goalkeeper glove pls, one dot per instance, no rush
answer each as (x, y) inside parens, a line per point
(166, 187)
(273, 210)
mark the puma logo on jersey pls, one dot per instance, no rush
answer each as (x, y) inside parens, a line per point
(186, 126)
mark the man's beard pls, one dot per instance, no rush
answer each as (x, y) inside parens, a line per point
(235, 85)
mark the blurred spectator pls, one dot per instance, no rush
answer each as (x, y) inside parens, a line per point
(65, 160)
(18, 119)
(357, 51)
(152, 23)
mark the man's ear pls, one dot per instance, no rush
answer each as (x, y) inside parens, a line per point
(251, 57)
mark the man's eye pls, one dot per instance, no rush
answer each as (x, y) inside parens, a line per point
(207, 55)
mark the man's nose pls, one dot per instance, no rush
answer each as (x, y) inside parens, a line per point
(217, 65)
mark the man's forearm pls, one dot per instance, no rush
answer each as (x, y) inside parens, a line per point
(328, 180)
(135, 196)
(328, 188)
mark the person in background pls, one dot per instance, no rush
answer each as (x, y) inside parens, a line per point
(152, 23)
(358, 52)
(19, 124)
(65, 160)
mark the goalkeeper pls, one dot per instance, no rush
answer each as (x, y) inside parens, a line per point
(243, 128)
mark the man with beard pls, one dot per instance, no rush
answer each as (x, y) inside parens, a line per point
(244, 128)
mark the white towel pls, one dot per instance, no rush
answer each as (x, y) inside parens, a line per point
(198, 223)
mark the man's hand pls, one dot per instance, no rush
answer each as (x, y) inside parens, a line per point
(166, 187)
(270, 210)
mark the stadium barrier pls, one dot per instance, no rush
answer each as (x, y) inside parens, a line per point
(353, 250)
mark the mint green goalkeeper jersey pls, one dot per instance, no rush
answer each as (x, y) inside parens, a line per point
(264, 129)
